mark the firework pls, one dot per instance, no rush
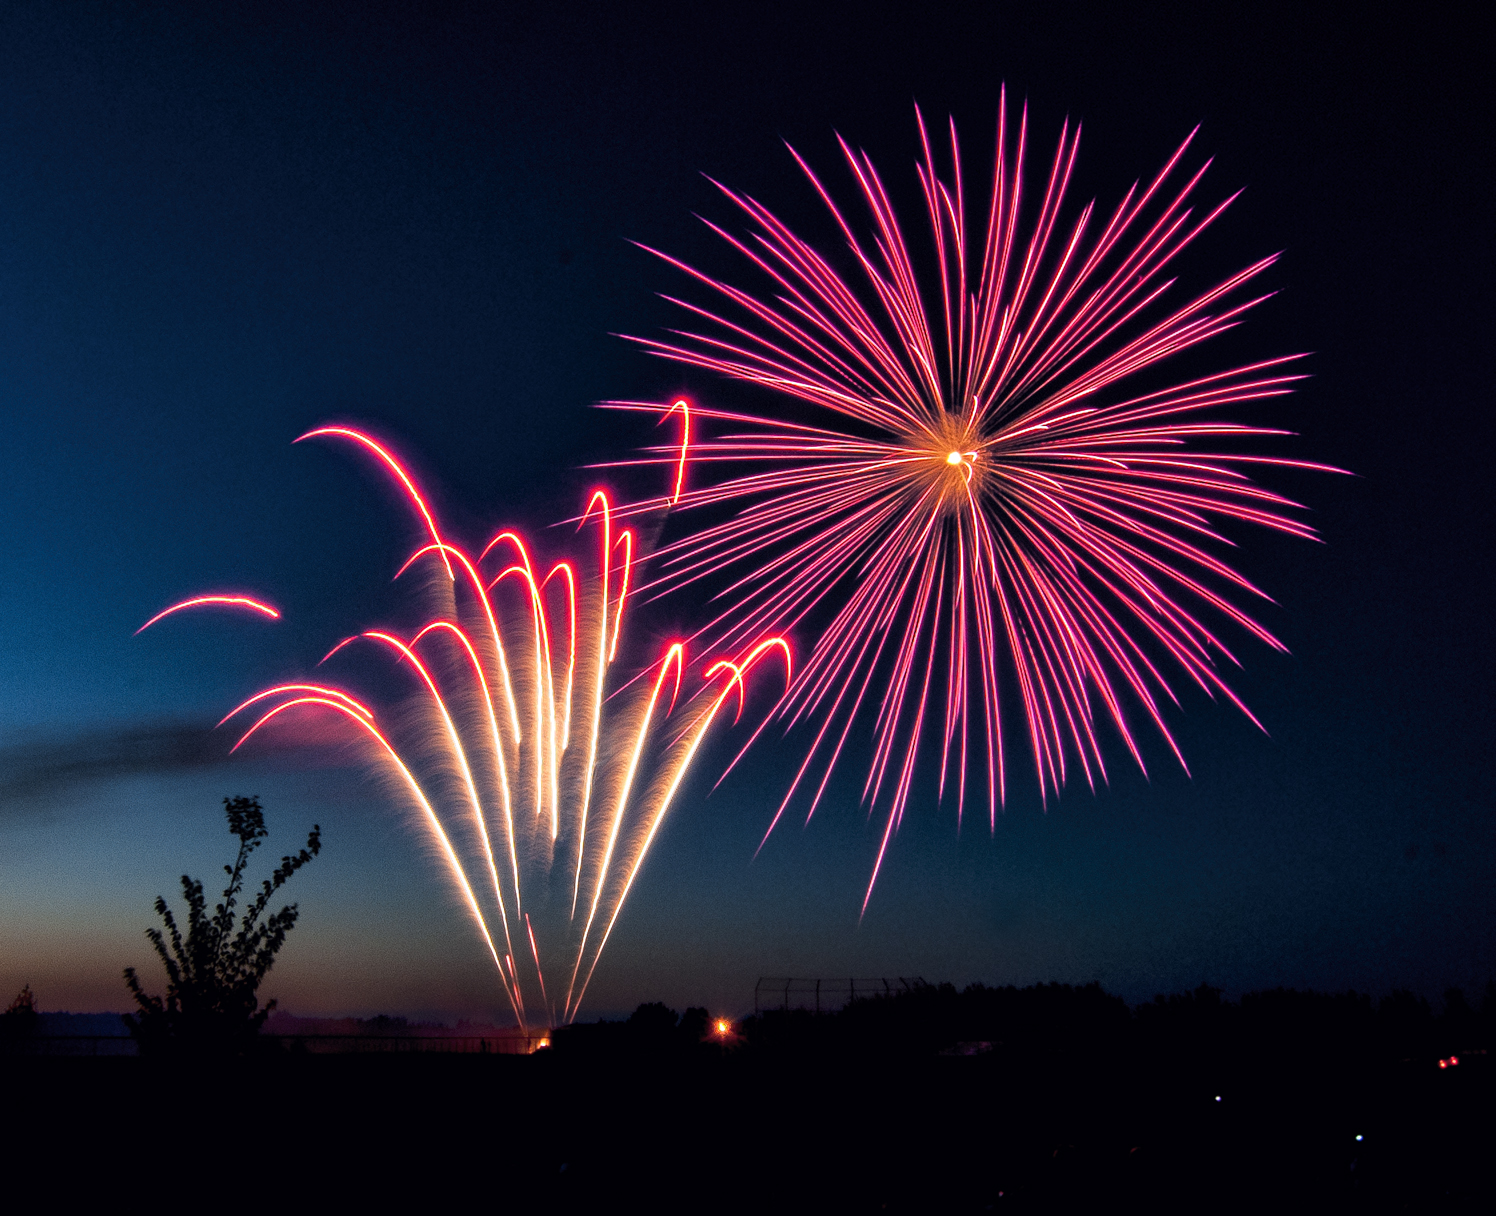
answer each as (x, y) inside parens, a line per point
(215, 601)
(982, 508)
(541, 791)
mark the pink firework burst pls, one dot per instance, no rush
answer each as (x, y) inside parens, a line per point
(984, 492)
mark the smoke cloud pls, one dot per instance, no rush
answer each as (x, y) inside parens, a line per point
(38, 770)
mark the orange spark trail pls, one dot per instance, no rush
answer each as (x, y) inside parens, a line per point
(535, 953)
(674, 654)
(604, 656)
(498, 752)
(545, 695)
(453, 863)
(459, 753)
(674, 777)
(493, 626)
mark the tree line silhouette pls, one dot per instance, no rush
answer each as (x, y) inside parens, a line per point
(1064, 1022)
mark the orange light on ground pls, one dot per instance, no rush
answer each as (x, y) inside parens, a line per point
(722, 1028)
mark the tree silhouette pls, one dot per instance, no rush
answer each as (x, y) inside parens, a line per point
(214, 971)
(20, 1020)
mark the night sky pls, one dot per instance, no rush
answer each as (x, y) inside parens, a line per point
(223, 224)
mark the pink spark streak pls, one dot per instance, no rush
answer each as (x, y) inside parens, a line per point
(223, 601)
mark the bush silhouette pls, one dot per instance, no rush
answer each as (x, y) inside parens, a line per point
(214, 971)
(20, 1020)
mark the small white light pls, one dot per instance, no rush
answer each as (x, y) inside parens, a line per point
(953, 458)
(1218, 1097)
(1358, 1137)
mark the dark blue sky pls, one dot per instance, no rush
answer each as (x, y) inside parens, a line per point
(218, 228)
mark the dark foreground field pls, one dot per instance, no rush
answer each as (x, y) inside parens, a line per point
(799, 1114)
